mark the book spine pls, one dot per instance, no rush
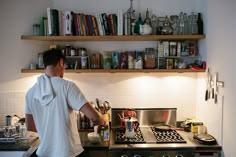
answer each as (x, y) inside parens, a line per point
(105, 22)
(80, 24)
(91, 24)
(55, 22)
(120, 22)
(95, 26)
(75, 19)
(68, 23)
(99, 24)
(85, 24)
(102, 24)
(49, 21)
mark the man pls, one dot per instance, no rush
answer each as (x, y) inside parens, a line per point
(50, 106)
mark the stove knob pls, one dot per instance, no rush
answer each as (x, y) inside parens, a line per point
(166, 156)
(137, 155)
(179, 155)
(124, 156)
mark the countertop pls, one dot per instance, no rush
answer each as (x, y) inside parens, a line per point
(191, 144)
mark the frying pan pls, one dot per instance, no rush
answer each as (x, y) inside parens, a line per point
(165, 127)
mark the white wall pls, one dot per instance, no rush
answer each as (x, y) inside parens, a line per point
(122, 90)
(220, 43)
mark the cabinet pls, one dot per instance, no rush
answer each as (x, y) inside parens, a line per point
(113, 39)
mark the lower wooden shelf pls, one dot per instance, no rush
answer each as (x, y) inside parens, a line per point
(120, 71)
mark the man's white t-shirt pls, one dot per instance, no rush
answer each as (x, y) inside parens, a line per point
(52, 102)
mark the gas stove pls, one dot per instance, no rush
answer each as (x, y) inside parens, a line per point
(149, 141)
(149, 135)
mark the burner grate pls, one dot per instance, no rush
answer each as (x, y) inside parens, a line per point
(121, 139)
(167, 136)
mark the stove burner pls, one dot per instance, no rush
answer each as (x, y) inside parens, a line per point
(167, 136)
(121, 139)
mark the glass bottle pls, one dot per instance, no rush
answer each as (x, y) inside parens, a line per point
(181, 23)
(186, 31)
(200, 24)
(193, 25)
(137, 24)
(154, 24)
(147, 20)
(130, 17)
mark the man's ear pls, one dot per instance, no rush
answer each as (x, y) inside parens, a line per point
(61, 62)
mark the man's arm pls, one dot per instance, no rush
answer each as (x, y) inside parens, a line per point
(29, 120)
(91, 113)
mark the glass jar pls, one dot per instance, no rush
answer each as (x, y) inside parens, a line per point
(36, 29)
(149, 58)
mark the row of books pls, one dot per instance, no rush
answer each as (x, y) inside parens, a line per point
(67, 23)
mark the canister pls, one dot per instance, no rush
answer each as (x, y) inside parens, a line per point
(36, 29)
(107, 59)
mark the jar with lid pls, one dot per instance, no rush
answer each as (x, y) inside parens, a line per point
(67, 50)
(36, 29)
(84, 58)
(149, 58)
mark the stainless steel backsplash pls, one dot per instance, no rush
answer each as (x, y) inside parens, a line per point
(147, 116)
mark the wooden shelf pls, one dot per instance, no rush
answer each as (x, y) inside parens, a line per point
(119, 71)
(114, 38)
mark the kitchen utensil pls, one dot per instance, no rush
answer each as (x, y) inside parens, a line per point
(107, 106)
(166, 127)
(98, 105)
(131, 125)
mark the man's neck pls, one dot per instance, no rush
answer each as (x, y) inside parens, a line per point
(52, 71)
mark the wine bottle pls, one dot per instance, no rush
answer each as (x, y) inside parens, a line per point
(200, 24)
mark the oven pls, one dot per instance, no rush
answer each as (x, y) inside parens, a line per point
(149, 140)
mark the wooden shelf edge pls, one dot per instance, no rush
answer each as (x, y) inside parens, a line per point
(120, 71)
(114, 38)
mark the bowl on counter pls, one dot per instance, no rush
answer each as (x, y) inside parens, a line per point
(94, 137)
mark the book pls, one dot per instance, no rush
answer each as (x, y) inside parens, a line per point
(43, 26)
(49, 21)
(95, 25)
(102, 24)
(88, 25)
(55, 22)
(120, 22)
(68, 23)
(99, 24)
(105, 23)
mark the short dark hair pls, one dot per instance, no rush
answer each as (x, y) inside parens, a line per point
(52, 57)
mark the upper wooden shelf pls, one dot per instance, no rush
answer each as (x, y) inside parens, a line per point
(119, 71)
(114, 38)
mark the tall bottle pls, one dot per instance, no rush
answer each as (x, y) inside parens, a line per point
(147, 20)
(181, 23)
(200, 24)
